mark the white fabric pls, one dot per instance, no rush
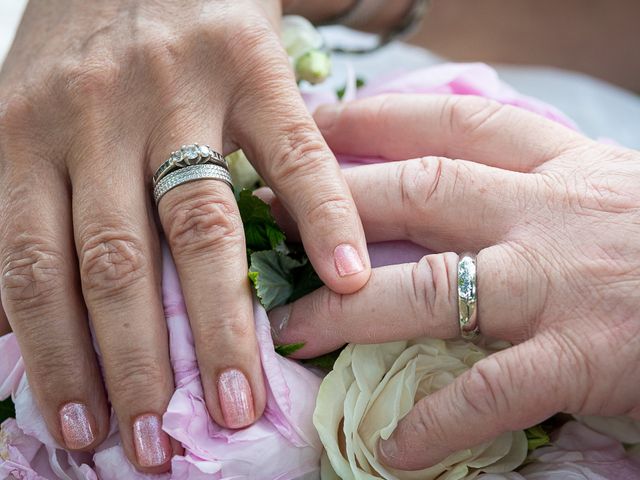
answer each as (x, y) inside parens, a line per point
(600, 109)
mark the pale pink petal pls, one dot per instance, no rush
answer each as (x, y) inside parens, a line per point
(578, 450)
(112, 464)
(11, 367)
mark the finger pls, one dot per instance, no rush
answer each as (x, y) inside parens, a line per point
(508, 391)
(281, 139)
(202, 224)
(118, 253)
(435, 202)
(414, 300)
(397, 127)
(42, 299)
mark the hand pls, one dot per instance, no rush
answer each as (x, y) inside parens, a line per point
(555, 218)
(93, 98)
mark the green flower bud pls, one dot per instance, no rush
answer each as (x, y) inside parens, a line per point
(314, 66)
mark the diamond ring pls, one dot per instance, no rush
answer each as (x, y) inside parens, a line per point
(188, 155)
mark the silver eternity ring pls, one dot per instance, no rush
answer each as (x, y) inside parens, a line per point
(190, 174)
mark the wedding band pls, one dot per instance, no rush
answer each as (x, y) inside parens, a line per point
(188, 155)
(468, 296)
(190, 174)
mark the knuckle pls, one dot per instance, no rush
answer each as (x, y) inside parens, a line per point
(16, 109)
(230, 328)
(467, 115)
(136, 376)
(251, 35)
(203, 222)
(299, 152)
(51, 365)
(484, 389)
(328, 304)
(433, 294)
(326, 210)
(32, 273)
(429, 427)
(111, 260)
(420, 185)
(94, 79)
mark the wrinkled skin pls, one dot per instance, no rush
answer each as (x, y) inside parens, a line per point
(93, 98)
(555, 218)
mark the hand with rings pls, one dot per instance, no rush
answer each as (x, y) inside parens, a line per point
(94, 98)
(555, 219)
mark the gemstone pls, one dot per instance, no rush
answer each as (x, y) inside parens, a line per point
(204, 151)
(191, 152)
(176, 156)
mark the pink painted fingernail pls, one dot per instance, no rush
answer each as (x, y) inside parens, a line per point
(347, 260)
(152, 444)
(236, 399)
(75, 423)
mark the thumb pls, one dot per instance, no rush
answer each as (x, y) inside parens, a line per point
(510, 390)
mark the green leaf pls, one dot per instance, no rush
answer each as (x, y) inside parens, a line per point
(272, 277)
(260, 229)
(7, 410)
(326, 361)
(537, 437)
(290, 349)
(305, 280)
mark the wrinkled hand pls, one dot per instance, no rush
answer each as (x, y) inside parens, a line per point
(93, 98)
(555, 218)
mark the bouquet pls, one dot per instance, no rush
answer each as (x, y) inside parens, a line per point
(323, 417)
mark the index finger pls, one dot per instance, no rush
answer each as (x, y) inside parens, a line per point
(280, 137)
(402, 126)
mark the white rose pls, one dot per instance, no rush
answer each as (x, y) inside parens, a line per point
(372, 387)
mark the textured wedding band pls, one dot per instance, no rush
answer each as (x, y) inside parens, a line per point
(190, 174)
(188, 155)
(468, 296)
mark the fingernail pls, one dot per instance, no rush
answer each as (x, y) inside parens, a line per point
(75, 423)
(152, 444)
(236, 400)
(279, 319)
(326, 115)
(347, 260)
(388, 448)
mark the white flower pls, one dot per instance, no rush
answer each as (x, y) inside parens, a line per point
(298, 36)
(372, 387)
(242, 172)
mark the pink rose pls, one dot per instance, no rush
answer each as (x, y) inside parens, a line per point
(283, 444)
(577, 453)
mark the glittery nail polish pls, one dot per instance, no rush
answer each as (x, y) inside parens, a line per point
(152, 444)
(347, 260)
(236, 399)
(75, 424)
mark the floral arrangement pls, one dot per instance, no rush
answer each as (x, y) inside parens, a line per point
(318, 424)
